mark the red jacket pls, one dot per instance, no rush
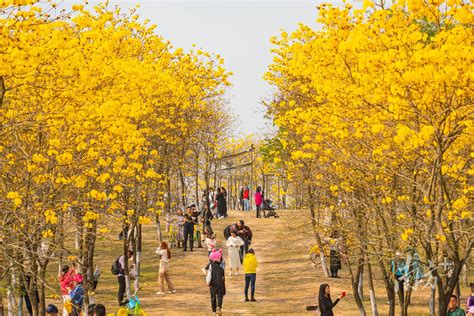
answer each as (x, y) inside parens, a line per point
(258, 198)
(246, 194)
(66, 281)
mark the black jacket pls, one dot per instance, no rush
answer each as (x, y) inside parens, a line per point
(326, 306)
(217, 276)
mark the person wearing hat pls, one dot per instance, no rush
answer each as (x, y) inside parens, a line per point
(250, 269)
(215, 279)
(52, 310)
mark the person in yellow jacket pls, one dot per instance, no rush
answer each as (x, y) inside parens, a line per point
(250, 269)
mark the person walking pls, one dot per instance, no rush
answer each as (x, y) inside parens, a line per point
(258, 200)
(121, 276)
(234, 243)
(165, 255)
(250, 269)
(324, 300)
(215, 279)
(246, 234)
(188, 229)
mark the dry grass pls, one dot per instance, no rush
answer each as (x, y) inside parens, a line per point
(286, 280)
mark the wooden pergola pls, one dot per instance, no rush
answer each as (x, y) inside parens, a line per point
(235, 175)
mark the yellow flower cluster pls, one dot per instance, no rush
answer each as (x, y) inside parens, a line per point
(374, 110)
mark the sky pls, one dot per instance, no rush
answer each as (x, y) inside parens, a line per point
(238, 30)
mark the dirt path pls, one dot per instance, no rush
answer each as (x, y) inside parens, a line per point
(286, 280)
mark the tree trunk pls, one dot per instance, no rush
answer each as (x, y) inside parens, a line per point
(42, 290)
(355, 285)
(316, 229)
(373, 300)
(126, 245)
(360, 287)
(198, 200)
(433, 301)
(465, 275)
(89, 268)
(2, 308)
(2, 90)
(158, 228)
(139, 255)
(183, 188)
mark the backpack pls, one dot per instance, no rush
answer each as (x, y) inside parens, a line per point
(115, 267)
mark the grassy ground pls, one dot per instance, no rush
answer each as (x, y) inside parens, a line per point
(286, 280)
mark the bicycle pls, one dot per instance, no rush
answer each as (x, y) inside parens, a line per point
(315, 255)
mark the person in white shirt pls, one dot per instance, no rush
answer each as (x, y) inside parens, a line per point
(233, 243)
(165, 256)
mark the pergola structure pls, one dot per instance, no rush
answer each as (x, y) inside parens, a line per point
(235, 175)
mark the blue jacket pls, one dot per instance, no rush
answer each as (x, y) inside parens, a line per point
(77, 295)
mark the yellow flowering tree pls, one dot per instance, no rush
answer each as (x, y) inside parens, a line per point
(91, 106)
(375, 111)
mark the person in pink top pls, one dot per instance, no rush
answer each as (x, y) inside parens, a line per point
(66, 281)
(258, 200)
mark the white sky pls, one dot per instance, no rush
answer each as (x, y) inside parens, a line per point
(238, 30)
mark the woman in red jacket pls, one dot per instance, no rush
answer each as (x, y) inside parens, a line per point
(258, 200)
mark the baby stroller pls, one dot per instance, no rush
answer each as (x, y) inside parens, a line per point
(269, 209)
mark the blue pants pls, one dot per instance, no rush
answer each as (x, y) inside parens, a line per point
(250, 279)
(246, 205)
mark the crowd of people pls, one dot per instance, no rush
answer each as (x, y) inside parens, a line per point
(237, 241)
(72, 293)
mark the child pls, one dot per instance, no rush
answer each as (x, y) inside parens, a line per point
(208, 265)
(77, 295)
(250, 269)
(470, 302)
(215, 279)
(210, 242)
